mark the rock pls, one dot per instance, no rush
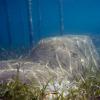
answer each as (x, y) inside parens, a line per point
(73, 53)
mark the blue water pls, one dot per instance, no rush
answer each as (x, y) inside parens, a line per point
(80, 17)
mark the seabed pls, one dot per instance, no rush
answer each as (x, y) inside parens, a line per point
(58, 68)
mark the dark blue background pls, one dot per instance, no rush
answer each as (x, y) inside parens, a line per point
(80, 17)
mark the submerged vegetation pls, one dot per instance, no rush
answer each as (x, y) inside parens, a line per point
(87, 87)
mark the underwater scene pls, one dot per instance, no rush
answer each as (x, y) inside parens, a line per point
(49, 49)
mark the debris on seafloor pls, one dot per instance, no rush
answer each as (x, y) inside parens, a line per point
(58, 58)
